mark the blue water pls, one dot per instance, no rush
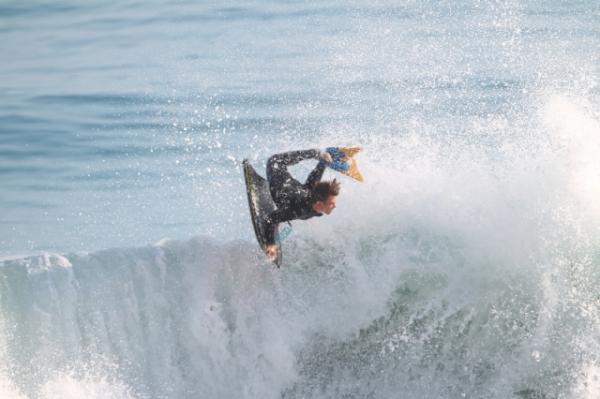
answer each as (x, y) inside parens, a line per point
(466, 265)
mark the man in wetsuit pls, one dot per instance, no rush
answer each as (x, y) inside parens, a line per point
(295, 200)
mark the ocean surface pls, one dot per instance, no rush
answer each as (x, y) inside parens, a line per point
(467, 265)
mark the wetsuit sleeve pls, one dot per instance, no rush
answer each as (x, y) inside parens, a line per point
(270, 233)
(275, 218)
(315, 176)
(293, 157)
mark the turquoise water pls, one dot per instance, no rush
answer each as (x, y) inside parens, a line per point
(466, 265)
(124, 124)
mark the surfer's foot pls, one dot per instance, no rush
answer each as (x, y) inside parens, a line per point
(325, 156)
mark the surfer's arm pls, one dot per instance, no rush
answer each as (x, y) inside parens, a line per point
(279, 216)
(270, 233)
(275, 218)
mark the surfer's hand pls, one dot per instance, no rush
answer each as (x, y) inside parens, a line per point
(325, 156)
(271, 251)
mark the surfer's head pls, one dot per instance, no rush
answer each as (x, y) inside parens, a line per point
(324, 196)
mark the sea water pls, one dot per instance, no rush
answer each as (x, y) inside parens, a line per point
(467, 265)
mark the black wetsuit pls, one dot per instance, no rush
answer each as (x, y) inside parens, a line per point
(293, 199)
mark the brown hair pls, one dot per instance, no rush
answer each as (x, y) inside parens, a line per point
(322, 190)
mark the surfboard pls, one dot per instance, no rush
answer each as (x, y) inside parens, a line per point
(343, 161)
(261, 205)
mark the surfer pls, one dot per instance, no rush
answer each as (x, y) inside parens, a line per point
(295, 200)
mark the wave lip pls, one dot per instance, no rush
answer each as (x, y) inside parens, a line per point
(153, 321)
(393, 309)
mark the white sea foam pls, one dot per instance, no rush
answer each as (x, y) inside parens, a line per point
(458, 273)
(466, 265)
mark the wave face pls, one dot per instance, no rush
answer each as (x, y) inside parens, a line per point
(467, 265)
(473, 275)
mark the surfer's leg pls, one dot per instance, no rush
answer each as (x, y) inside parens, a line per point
(315, 176)
(293, 157)
(277, 173)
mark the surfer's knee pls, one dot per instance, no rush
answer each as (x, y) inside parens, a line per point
(274, 162)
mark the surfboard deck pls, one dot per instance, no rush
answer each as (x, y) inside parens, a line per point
(261, 205)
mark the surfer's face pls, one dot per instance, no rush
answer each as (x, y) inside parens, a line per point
(326, 206)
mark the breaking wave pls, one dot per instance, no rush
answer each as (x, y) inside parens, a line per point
(460, 272)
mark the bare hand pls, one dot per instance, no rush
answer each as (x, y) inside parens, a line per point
(271, 251)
